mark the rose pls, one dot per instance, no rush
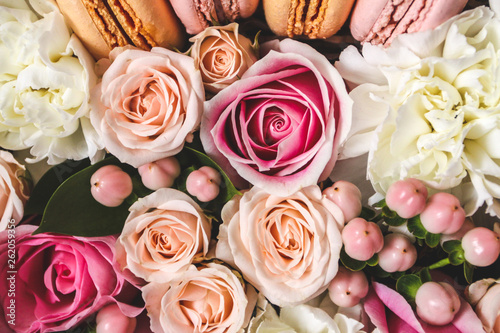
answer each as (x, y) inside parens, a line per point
(222, 55)
(281, 125)
(163, 234)
(484, 296)
(147, 104)
(14, 190)
(427, 107)
(388, 309)
(209, 298)
(286, 247)
(46, 76)
(59, 280)
(300, 318)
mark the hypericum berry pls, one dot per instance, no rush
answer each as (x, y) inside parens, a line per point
(362, 239)
(110, 185)
(443, 214)
(398, 254)
(468, 225)
(347, 287)
(407, 197)
(110, 319)
(347, 196)
(437, 303)
(160, 174)
(204, 183)
(481, 246)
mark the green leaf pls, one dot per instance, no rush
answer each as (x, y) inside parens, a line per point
(380, 204)
(72, 210)
(452, 245)
(407, 286)
(416, 227)
(49, 183)
(425, 275)
(352, 264)
(367, 213)
(391, 218)
(373, 261)
(468, 272)
(456, 257)
(432, 239)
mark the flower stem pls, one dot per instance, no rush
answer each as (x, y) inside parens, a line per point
(440, 263)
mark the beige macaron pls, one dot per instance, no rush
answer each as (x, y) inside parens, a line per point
(312, 18)
(105, 24)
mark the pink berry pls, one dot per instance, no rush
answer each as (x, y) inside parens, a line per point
(468, 225)
(347, 196)
(204, 183)
(160, 174)
(407, 197)
(362, 239)
(481, 246)
(110, 319)
(110, 185)
(437, 303)
(347, 287)
(398, 254)
(443, 214)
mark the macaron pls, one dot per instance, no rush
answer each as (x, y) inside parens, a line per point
(197, 15)
(312, 18)
(103, 25)
(380, 21)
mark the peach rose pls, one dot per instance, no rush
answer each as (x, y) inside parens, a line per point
(484, 295)
(210, 298)
(287, 247)
(164, 232)
(14, 190)
(222, 55)
(147, 104)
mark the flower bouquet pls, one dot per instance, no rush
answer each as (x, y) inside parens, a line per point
(250, 183)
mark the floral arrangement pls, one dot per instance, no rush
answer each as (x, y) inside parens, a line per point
(249, 184)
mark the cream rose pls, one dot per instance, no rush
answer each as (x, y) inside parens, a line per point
(147, 104)
(14, 191)
(484, 296)
(428, 107)
(163, 234)
(287, 247)
(222, 55)
(45, 79)
(210, 298)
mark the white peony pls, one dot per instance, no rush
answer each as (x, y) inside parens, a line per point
(45, 78)
(428, 107)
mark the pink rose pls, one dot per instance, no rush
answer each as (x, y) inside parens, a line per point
(148, 104)
(281, 125)
(390, 312)
(222, 55)
(56, 281)
(286, 247)
(484, 295)
(163, 234)
(14, 190)
(210, 298)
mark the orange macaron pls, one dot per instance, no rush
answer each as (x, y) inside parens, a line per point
(102, 25)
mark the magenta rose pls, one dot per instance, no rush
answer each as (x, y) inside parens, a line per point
(281, 125)
(57, 281)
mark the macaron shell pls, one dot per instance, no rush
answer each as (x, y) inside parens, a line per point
(439, 12)
(82, 25)
(364, 16)
(277, 13)
(246, 8)
(191, 15)
(333, 19)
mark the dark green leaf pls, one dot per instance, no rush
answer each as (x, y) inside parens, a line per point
(456, 257)
(407, 286)
(373, 261)
(73, 211)
(49, 182)
(431, 239)
(380, 204)
(391, 218)
(416, 227)
(425, 275)
(352, 264)
(452, 245)
(367, 213)
(468, 272)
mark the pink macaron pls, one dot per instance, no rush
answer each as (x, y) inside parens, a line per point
(380, 21)
(197, 15)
